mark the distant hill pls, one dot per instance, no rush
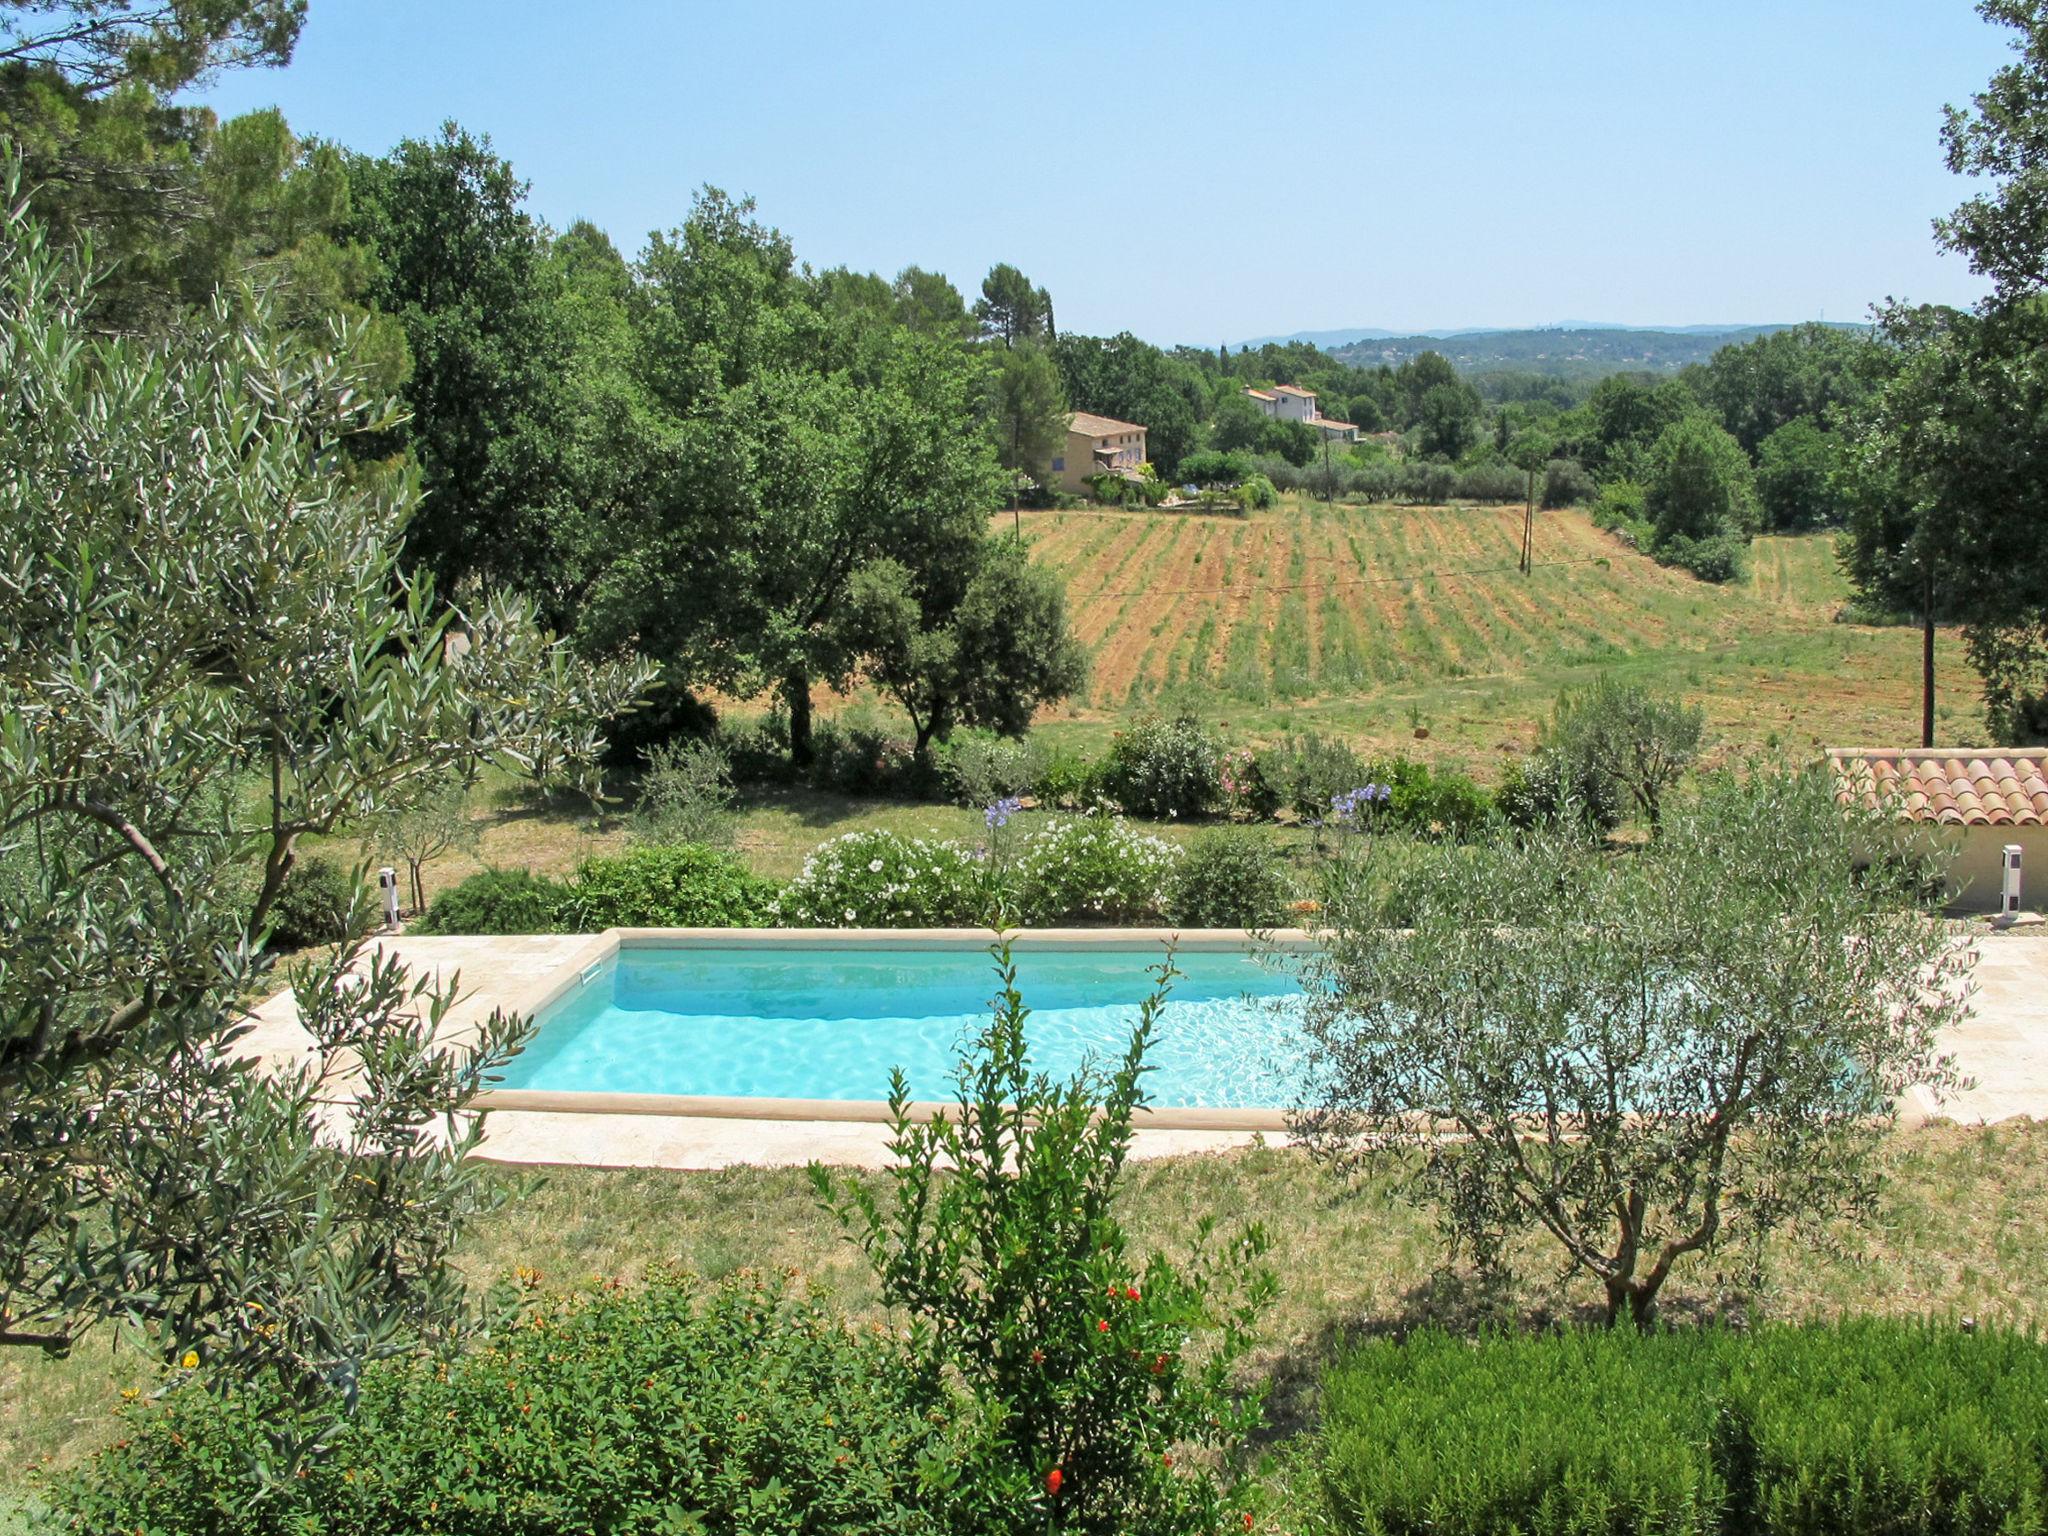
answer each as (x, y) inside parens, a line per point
(1572, 349)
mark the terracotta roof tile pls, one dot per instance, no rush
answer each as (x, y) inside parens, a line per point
(1994, 787)
(1294, 389)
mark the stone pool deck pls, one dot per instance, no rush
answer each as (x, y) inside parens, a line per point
(2003, 1049)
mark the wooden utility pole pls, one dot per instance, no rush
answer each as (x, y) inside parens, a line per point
(1927, 660)
(1529, 521)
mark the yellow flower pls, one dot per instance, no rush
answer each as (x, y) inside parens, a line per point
(130, 1393)
(191, 1360)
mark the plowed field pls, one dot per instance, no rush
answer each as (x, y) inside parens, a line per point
(1379, 621)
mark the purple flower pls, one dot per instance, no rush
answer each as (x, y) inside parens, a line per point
(1352, 804)
(999, 814)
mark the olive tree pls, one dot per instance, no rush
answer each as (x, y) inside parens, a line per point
(211, 652)
(1638, 744)
(1642, 1056)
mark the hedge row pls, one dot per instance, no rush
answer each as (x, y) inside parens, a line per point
(1865, 1427)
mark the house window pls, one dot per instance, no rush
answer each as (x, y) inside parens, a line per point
(1059, 466)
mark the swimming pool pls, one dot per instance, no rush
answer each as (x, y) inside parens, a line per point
(825, 1020)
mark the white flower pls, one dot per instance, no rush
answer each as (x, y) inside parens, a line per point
(874, 866)
(849, 914)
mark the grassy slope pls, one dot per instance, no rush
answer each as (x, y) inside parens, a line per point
(1958, 1233)
(1372, 621)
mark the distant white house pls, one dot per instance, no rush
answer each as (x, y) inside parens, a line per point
(1289, 402)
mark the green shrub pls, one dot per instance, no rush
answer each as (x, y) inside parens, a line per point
(1555, 1435)
(1230, 877)
(1720, 557)
(1214, 466)
(1092, 869)
(880, 880)
(857, 757)
(1430, 802)
(1638, 744)
(313, 905)
(1622, 509)
(1161, 768)
(686, 795)
(657, 1409)
(1107, 1381)
(1245, 790)
(1566, 484)
(1836, 1430)
(1882, 1426)
(977, 767)
(1547, 788)
(1256, 493)
(681, 887)
(1067, 781)
(498, 901)
(1308, 771)
(757, 751)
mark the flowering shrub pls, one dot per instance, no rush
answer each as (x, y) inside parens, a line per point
(1094, 869)
(1246, 793)
(662, 1408)
(1163, 768)
(881, 880)
(1093, 1374)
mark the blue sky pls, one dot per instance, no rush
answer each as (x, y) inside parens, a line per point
(1208, 172)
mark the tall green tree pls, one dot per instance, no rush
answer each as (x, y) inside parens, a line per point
(928, 303)
(2002, 136)
(462, 267)
(1030, 412)
(1010, 310)
(177, 713)
(87, 96)
(1943, 471)
(101, 46)
(991, 658)
(1700, 484)
(1948, 459)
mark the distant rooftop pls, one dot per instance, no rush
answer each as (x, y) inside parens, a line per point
(1993, 786)
(1294, 389)
(1099, 426)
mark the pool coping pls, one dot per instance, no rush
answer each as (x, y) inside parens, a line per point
(582, 964)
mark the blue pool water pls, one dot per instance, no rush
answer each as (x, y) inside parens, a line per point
(830, 1023)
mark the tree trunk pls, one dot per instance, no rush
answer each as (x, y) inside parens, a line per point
(1927, 666)
(796, 693)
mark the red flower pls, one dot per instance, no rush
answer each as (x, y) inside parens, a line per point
(1038, 1357)
(1247, 1519)
(1131, 1293)
(1102, 1325)
(1166, 1460)
(1159, 1366)
(1053, 1479)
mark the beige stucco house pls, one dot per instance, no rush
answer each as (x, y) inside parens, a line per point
(1096, 445)
(1290, 402)
(1975, 801)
